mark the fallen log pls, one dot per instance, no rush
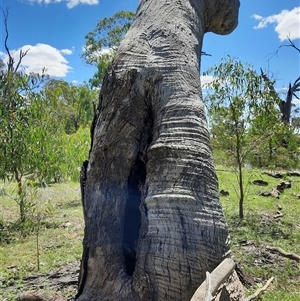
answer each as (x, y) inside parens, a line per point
(292, 256)
(214, 280)
(260, 291)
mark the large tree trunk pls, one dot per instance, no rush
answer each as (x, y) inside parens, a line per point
(154, 224)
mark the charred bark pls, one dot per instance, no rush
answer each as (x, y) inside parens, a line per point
(153, 221)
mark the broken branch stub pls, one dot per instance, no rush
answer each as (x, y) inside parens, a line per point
(217, 277)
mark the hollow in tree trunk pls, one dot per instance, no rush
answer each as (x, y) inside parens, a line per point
(153, 220)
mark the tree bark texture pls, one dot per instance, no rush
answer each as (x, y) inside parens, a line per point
(153, 221)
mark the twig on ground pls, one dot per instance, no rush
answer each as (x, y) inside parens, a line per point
(285, 254)
(260, 291)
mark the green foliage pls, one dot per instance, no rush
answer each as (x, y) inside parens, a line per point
(104, 62)
(21, 111)
(72, 106)
(18, 115)
(240, 109)
(108, 34)
(77, 147)
(72, 109)
(44, 134)
(30, 143)
(241, 113)
(101, 43)
(280, 151)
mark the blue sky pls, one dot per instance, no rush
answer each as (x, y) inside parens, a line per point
(54, 31)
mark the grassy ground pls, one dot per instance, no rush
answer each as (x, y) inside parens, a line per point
(61, 235)
(260, 229)
(60, 239)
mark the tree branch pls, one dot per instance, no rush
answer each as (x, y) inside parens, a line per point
(216, 278)
(21, 55)
(11, 60)
(261, 290)
(292, 88)
(285, 254)
(268, 82)
(292, 44)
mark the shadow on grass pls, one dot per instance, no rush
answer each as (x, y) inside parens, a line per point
(70, 204)
(12, 231)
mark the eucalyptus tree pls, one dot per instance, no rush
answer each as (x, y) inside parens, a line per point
(242, 114)
(27, 133)
(101, 43)
(153, 221)
(20, 110)
(72, 104)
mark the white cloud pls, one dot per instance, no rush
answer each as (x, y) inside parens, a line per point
(73, 3)
(287, 23)
(296, 101)
(106, 51)
(70, 3)
(42, 56)
(206, 79)
(66, 51)
(282, 92)
(96, 55)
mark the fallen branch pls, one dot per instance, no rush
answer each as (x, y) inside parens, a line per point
(260, 291)
(214, 280)
(283, 253)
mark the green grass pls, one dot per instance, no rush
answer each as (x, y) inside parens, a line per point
(249, 237)
(60, 238)
(61, 235)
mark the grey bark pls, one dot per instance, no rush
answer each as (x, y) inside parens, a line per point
(285, 106)
(217, 278)
(153, 221)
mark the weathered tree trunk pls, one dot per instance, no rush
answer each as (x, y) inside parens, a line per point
(285, 106)
(154, 224)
